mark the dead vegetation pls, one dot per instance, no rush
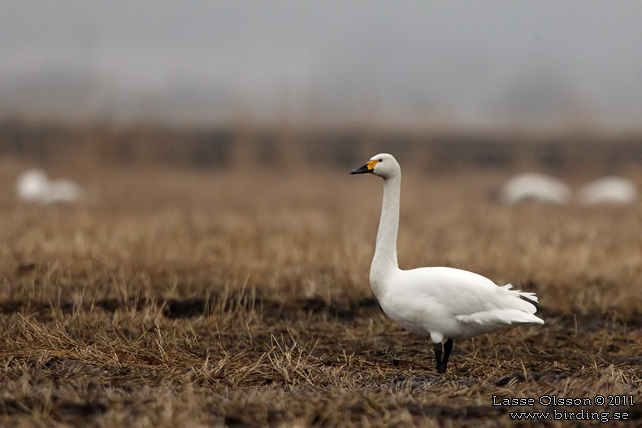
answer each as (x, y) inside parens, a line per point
(177, 298)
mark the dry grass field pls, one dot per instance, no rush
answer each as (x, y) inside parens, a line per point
(179, 298)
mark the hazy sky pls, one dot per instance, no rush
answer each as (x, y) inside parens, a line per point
(461, 61)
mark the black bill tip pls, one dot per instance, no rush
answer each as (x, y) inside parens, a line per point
(361, 170)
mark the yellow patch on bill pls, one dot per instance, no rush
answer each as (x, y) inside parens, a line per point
(372, 164)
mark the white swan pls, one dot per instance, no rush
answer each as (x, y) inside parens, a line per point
(440, 302)
(34, 185)
(608, 190)
(534, 187)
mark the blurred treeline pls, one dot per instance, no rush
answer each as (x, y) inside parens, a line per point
(288, 147)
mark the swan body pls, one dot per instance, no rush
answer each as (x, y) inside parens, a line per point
(443, 302)
(439, 302)
(608, 190)
(34, 185)
(534, 187)
(61, 191)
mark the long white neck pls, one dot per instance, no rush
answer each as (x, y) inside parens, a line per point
(384, 263)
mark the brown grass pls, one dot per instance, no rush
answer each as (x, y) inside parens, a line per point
(176, 298)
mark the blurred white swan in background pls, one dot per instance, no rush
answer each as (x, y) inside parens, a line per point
(608, 190)
(534, 187)
(441, 302)
(33, 185)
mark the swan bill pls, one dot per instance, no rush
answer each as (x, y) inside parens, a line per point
(369, 167)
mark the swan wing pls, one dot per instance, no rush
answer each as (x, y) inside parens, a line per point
(455, 303)
(463, 292)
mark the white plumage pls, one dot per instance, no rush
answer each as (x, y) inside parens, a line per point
(61, 191)
(34, 185)
(608, 190)
(534, 187)
(440, 302)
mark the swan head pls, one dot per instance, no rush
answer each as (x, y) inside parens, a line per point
(384, 165)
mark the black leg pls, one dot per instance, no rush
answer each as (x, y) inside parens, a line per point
(448, 346)
(438, 357)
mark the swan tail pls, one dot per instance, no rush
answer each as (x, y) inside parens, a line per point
(523, 294)
(529, 296)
